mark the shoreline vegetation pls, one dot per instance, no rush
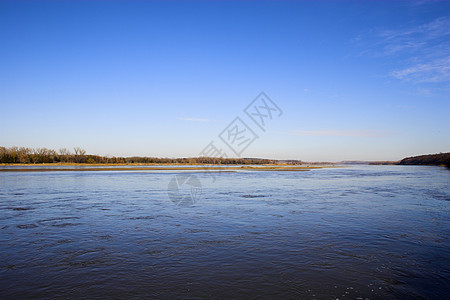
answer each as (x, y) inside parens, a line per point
(43, 157)
(32, 156)
(440, 159)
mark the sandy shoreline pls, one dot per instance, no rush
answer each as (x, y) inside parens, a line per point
(206, 168)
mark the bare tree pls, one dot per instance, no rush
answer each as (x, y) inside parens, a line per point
(64, 151)
(79, 154)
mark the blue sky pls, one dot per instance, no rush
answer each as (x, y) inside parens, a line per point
(356, 80)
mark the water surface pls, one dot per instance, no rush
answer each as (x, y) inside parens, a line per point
(377, 232)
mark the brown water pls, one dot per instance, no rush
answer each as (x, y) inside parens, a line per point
(377, 232)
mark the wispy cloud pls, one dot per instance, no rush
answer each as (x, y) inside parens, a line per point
(423, 50)
(194, 119)
(422, 2)
(341, 133)
(406, 107)
(435, 71)
(424, 32)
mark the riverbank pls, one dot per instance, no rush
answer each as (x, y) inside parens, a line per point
(206, 168)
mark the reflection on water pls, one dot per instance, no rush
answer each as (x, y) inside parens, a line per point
(372, 232)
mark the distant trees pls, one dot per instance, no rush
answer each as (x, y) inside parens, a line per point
(64, 155)
(79, 155)
(43, 155)
(40, 155)
(441, 159)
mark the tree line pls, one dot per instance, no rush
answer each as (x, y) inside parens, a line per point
(23, 155)
(441, 159)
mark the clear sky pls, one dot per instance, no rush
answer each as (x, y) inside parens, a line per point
(356, 80)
